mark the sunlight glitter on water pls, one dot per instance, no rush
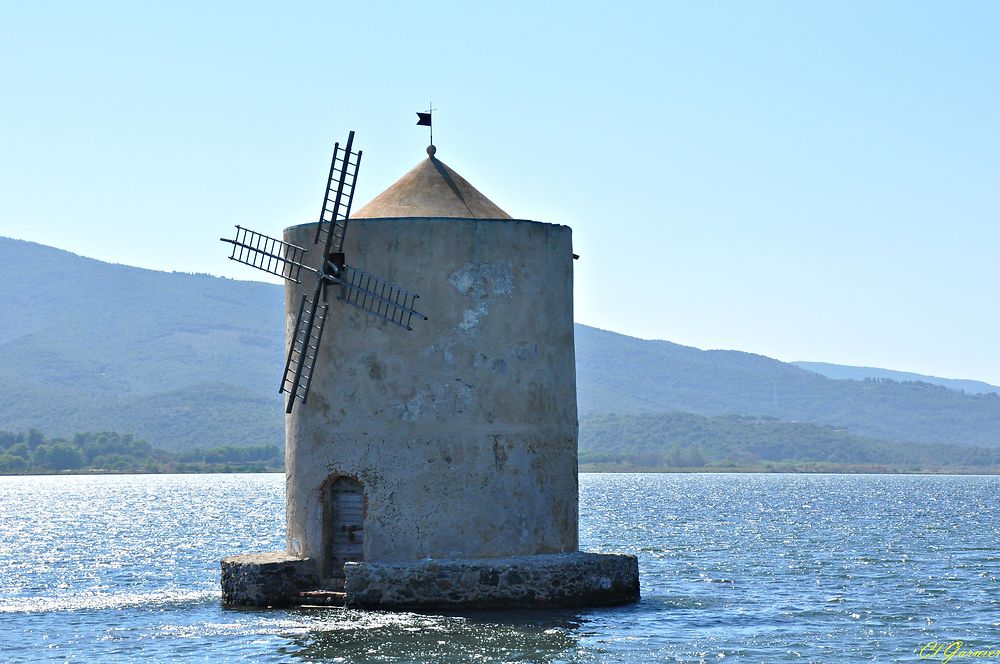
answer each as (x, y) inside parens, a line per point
(93, 601)
(733, 566)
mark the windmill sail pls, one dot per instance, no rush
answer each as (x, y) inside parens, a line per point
(268, 254)
(302, 352)
(372, 294)
(378, 297)
(338, 196)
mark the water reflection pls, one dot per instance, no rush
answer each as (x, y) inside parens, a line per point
(475, 636)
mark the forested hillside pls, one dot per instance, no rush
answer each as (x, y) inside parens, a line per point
(671, 441)
(180, 360)
(185, 361)
(623, 375)
(686, 440)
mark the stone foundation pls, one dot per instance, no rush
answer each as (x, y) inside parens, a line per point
(556, 580)
(267, 579)
(545, 581)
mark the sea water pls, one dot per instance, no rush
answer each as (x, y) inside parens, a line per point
(734, 567)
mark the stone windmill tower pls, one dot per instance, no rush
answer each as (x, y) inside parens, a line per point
(439, 466)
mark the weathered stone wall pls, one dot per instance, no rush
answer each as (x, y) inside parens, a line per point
(544, 581)
(463, 431)
(266, 579)
(560, 580)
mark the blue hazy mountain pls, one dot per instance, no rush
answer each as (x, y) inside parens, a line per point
(846, 372)
(186, 360)
(179, 359)
(628, 376)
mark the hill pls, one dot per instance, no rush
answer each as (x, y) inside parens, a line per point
(686, 440)
(628, 376)
(181, 360)
(188, 360)
(669, 441)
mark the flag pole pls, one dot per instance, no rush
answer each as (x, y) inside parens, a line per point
(425, 118)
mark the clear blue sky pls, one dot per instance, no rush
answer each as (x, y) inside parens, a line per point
(805, 180)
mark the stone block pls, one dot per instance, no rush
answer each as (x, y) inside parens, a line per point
(552, 581)
(266, 579)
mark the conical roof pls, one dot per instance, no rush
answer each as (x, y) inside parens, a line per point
(431, 189)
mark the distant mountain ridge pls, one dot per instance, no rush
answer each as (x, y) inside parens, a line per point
(628, 376)
(188, 361)
(182, 360)
(846, 372)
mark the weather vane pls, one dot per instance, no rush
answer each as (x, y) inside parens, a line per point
(424, 119)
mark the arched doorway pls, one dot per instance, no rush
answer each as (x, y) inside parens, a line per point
(345, 525)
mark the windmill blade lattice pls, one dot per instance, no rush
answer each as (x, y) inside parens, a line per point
(379, 297)
(268, 254)
(358, 288)
(338, 196)
(302, 352)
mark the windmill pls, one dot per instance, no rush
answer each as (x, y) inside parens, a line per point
(373, 294)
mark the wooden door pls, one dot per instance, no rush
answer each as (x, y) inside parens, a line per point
(347, 513)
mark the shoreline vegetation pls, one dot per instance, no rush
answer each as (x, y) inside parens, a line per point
(805, 468)
(31, 453)
(687, 442)
(110, 453)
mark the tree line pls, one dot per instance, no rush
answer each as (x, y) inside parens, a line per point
(685, 440)
(31, 452)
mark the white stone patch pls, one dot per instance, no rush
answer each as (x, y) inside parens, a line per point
(439, 402)
(411, 410)
(482, 279)
(471, 317)
(443, 349)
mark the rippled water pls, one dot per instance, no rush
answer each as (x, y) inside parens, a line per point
(757, 567)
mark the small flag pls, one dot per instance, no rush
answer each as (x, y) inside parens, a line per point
(424, 119)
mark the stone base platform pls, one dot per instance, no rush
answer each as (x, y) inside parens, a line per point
(555, 580)
(559, 580)
(267, 579)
